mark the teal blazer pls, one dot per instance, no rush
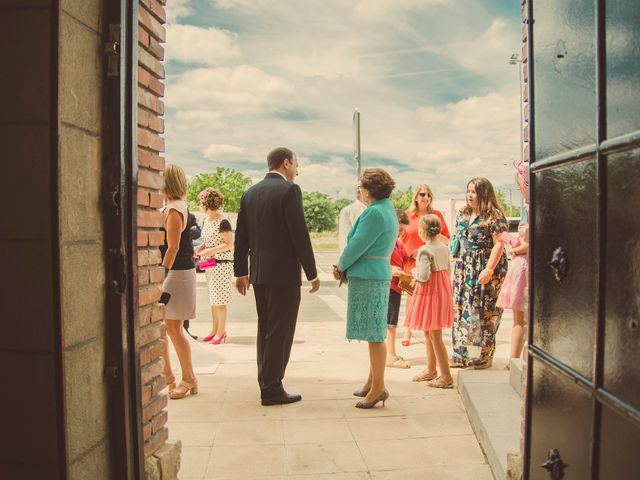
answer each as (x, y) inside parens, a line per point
(370, 243)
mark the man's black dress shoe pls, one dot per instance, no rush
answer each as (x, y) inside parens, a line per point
(282, 399)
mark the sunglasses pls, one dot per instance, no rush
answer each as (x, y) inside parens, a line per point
(423, 194)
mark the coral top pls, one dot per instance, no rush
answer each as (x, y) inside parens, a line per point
(411, 239)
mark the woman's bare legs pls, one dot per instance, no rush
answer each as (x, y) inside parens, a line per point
(431, 356)
(182, 347)
(406, 339)
(440, 353)
(168, 373)
(377, 357)
(219, 313)
(214, 321)
(517, 334)
(391, 344)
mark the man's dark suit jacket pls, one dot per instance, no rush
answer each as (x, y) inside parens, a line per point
(271, 230)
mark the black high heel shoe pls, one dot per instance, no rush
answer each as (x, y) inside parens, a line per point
(382, 398)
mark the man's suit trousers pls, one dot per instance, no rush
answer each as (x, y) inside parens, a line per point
(277, 307)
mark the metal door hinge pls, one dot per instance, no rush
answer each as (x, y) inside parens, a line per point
(112, 49)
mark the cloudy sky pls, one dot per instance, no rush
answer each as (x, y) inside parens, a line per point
(431, 78)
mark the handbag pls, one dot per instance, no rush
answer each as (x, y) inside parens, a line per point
(207, 263)
(343, 278)
(454, 246)
(406, 283)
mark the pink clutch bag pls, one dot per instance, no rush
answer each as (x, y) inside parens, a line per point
(207, 263)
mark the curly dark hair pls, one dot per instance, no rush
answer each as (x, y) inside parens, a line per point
(378, 183)
(211, 199)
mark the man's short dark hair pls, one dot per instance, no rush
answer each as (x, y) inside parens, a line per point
(277, 156)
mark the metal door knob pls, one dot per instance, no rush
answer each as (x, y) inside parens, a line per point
(558, 263)
(554, 465)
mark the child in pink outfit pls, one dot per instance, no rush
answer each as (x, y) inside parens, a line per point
(514, 288)
(431, 307)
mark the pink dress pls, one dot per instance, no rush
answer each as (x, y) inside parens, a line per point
(431, 306)
(513, 290)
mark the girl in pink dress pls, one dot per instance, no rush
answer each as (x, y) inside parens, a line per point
(514, 288)
(431, 307)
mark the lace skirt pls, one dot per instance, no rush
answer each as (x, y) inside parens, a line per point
(367, 305)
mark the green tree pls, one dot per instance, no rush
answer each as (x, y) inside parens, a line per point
(509, 210)
(340, 203)
(231, 183)
(320, 211)
(402, 199)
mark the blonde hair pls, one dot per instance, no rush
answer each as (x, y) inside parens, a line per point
(175, 183)
(430, 226)
(413, 209)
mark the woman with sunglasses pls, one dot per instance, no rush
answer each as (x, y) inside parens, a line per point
(422, 205)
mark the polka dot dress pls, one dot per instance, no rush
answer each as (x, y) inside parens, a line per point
(220, 277)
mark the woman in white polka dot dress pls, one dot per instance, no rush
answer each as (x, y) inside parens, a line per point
(217, 243)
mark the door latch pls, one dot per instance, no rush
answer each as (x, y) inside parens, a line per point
(554, 465)
(558, 263)
(112, 49)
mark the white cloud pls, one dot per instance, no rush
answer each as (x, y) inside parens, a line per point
(177, 9)
(240, 89)
(206, 46)
(439, 101)
(382, 10)
(223, 152)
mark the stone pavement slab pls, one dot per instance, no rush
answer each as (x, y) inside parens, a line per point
(227, 434)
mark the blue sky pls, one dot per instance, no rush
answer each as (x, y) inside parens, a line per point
(438, 98)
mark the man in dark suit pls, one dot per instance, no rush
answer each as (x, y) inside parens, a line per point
(272, 232)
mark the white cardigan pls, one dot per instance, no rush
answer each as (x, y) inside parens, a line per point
(431, 258)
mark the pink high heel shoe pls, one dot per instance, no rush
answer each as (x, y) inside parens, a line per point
(208, 338)
(219, 340)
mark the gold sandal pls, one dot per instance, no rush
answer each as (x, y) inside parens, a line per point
(183, 389)
(440, 383)
(398, 362)
(425, 376)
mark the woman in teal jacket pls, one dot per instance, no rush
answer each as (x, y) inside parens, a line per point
(366, 261)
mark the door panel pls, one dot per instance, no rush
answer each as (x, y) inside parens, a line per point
(619, 442)
(564, 43)
(558, 404)
(583, 395)
(623, 67)
(622, 324)
(565, 319)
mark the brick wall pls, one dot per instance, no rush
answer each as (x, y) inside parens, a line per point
(151, 33)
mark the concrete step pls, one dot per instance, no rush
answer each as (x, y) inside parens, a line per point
(515, 375)
(493, 409)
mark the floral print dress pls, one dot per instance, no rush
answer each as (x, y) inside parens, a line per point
(476, 316)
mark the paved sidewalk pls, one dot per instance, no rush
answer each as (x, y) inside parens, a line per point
(227, 434)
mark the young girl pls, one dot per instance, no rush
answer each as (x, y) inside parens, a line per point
(431, 308)
(513, 292)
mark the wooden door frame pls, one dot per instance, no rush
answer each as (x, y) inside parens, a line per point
(120, 213)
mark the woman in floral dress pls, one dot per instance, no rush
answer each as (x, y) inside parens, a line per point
(479, 272)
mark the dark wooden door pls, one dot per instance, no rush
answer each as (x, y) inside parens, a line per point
(583, 396)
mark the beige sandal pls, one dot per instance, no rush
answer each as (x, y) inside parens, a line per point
(183, 389)
(425, 376)
(171, 384)
(398, 362)
(440, 382)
